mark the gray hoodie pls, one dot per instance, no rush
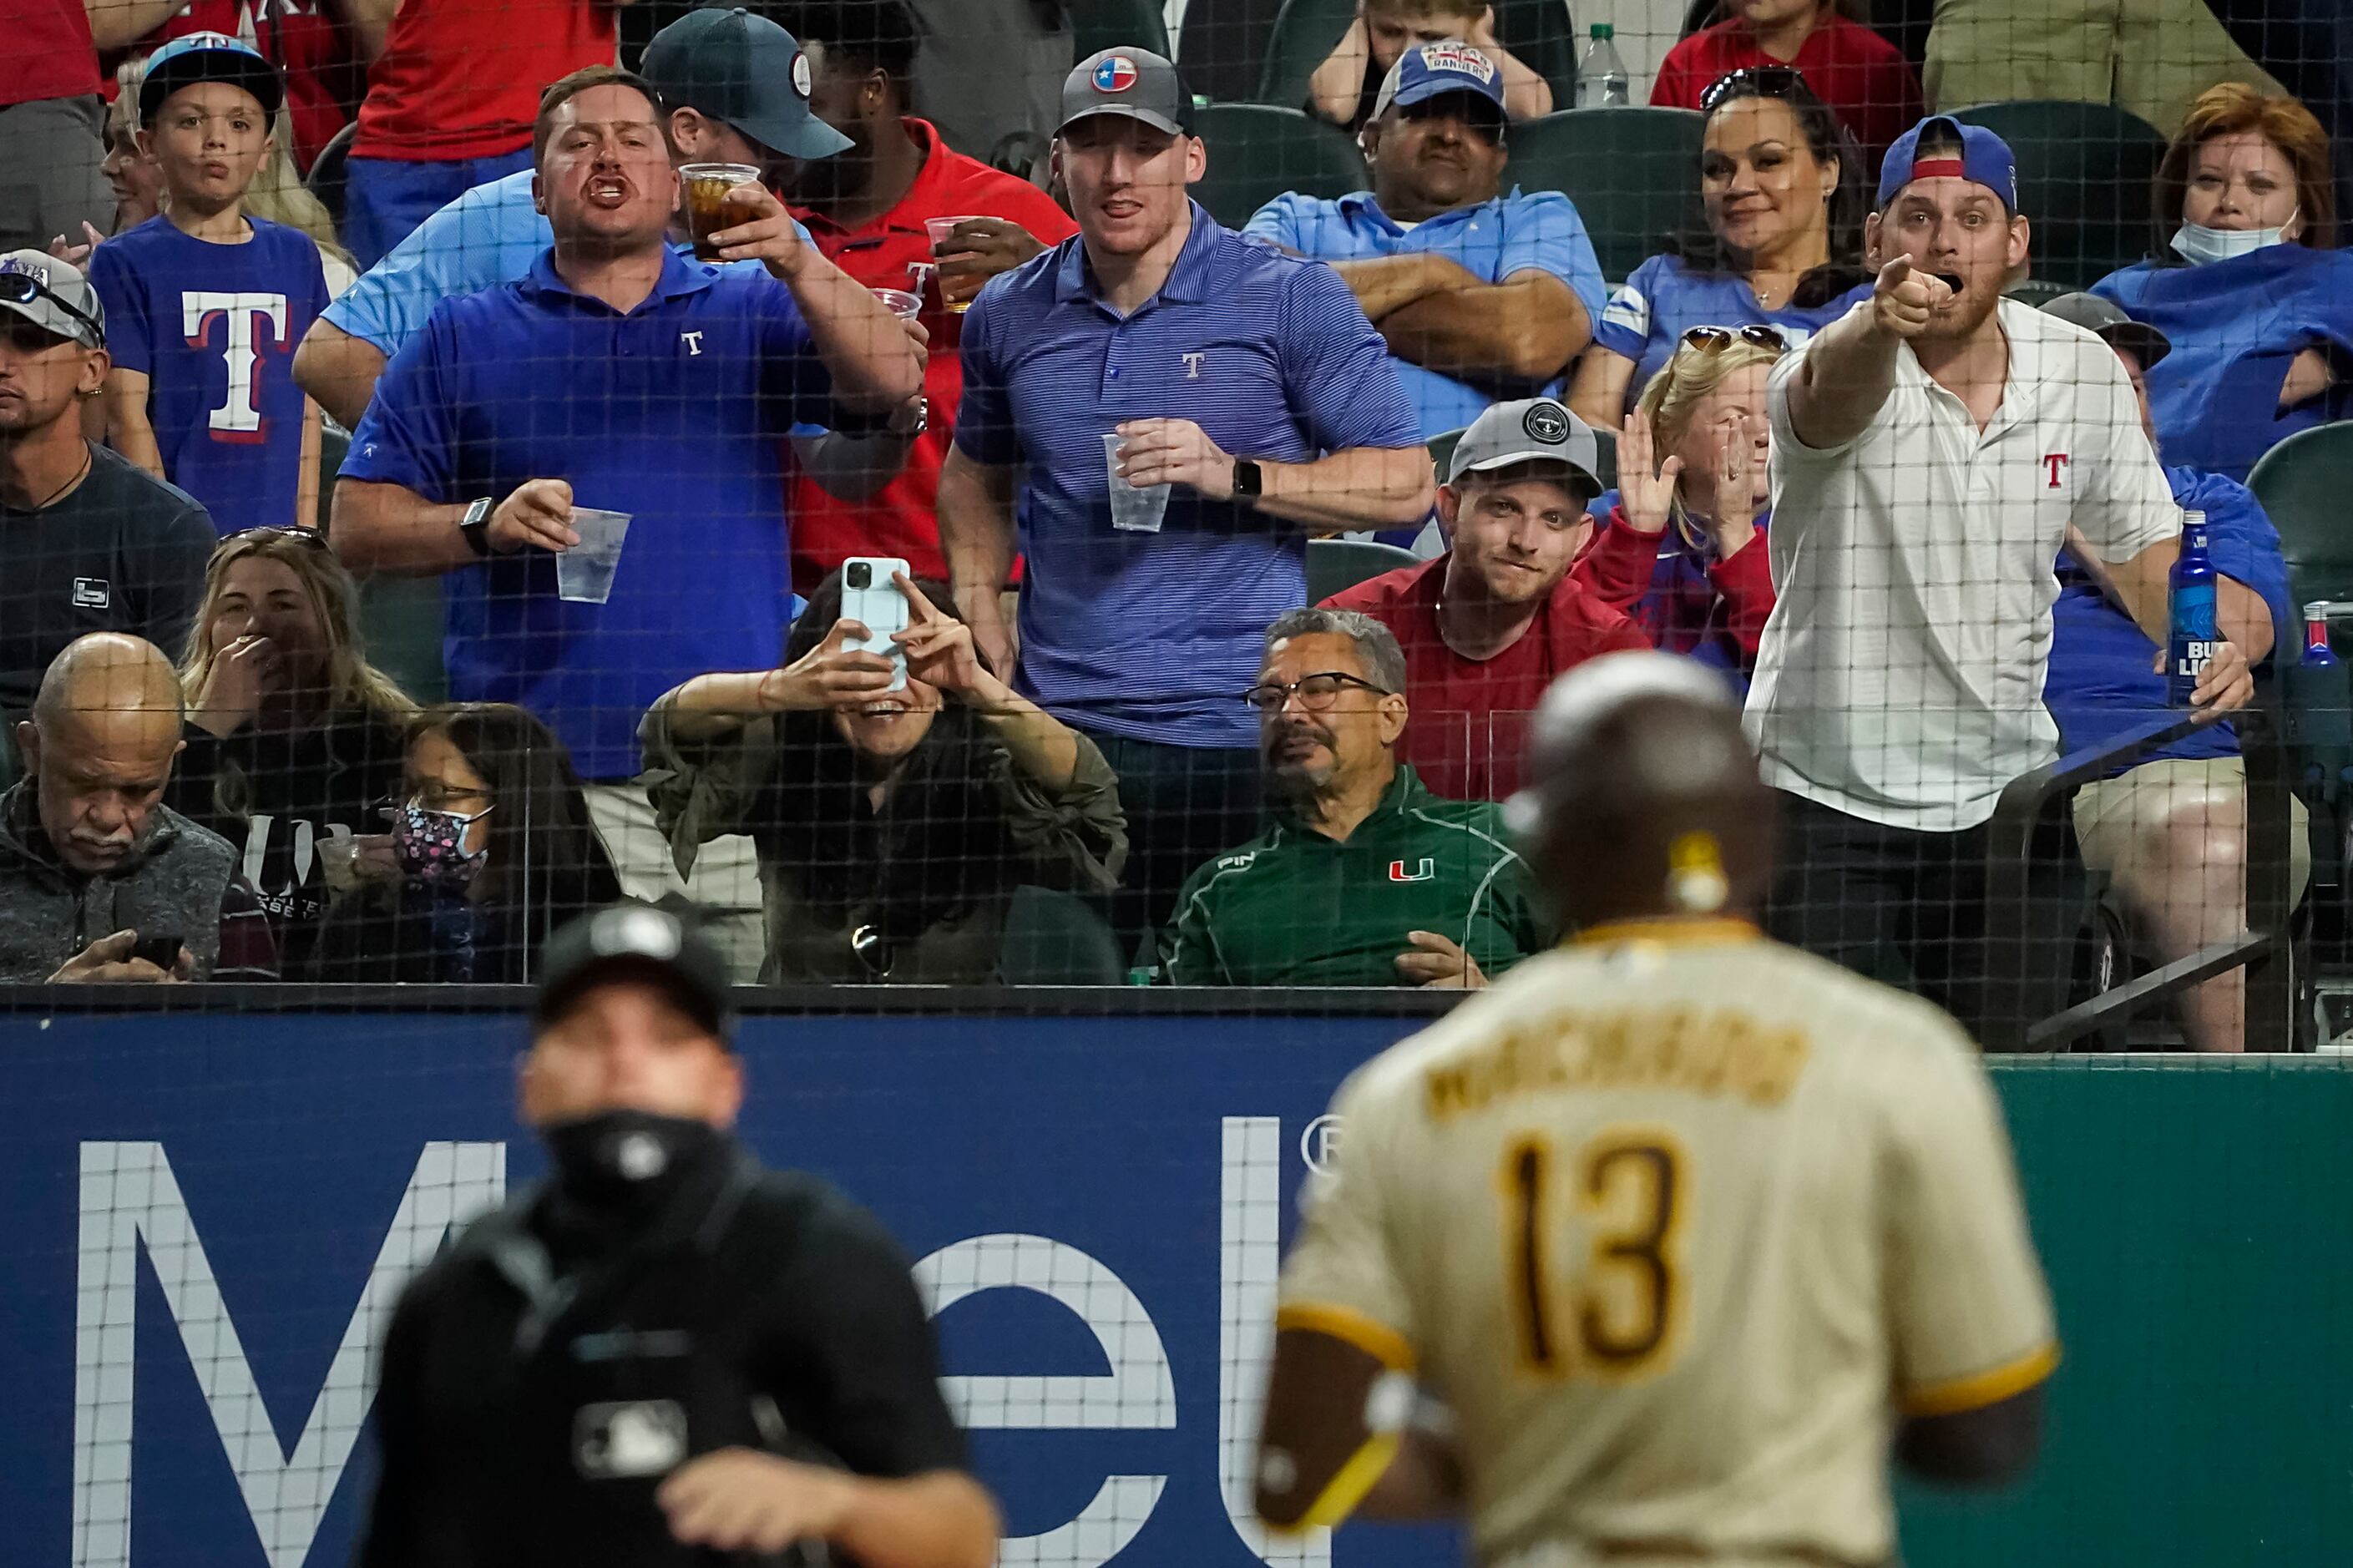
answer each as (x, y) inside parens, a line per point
(49, 913)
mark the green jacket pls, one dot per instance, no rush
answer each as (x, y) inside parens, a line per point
(1294, 908)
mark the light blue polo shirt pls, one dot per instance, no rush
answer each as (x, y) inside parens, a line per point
(1492, 241)
(1154, 636)
(670, 412)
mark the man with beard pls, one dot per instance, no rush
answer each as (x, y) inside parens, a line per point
(866, 208)
(1366, 879)
(1487, 626)
(1478, 294)
(1934, 449)
(663, 1355)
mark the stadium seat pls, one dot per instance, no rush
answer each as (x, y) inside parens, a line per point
(1258, 152)
(325, 179)
(1336, 565)
(1539, 33)
(2084, 175)
(400, 618)
(1442, 449)
(1109, 24)
(1053, 938)
(1633, 173)
(2303, 483)
(2036, 291)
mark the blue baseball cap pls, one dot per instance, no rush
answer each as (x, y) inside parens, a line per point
(1433, 70)
(208, 57)
(1985, 160)
(743, 70)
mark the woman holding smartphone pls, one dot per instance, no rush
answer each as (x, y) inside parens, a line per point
(893, 825)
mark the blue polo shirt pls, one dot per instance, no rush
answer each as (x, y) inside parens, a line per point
(1154, 636)
(670, 412)
(1492, 241)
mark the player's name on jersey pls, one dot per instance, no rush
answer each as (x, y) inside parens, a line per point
(1703, 1051)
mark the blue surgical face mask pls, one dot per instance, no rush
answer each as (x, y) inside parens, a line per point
(2196, 243)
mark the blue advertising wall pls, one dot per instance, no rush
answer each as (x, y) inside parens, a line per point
(203, 1217)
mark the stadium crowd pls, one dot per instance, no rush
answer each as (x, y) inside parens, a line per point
(860, 541)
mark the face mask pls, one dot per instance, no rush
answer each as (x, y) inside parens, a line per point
(624, 1158)
(429, 846)
(2197, 243)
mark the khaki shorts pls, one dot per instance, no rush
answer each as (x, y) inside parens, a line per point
(2110, 812)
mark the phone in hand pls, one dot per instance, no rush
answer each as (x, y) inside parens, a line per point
(162, 951)
(869, 594)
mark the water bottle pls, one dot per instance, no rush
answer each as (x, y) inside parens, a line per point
(2191, 640)
(1601, 80)
(2318, 654)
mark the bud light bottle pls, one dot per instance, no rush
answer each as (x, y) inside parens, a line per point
(2191, 642)
(2318, 654)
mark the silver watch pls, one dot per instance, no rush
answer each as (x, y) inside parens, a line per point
(476, 525)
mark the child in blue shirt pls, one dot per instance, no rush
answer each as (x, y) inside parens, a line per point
(204, 305)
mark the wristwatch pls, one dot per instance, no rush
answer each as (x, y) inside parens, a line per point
(1249, 483)
(476, 525)
(915, 413)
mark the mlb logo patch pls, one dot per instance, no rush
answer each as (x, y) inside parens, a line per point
(1116, 74)
(92, 594)
(1428, 868)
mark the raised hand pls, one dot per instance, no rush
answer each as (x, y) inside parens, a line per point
(830, 675)
(940, 648)
(242, 674)
(1646, 488)
(1904, 302)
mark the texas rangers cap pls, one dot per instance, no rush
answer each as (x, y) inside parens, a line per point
(208, 57)
(1136, 83)
(742, 70)
(2107, 320)
(1532, 430)
(1984, 158)
(636, 940)
(1433, 70)
(53, 295)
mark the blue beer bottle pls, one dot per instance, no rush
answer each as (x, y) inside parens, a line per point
(2191, 642)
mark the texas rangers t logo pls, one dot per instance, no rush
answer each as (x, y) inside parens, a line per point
(1398, 873)
(1193, 365)
(2054, 462)
(243, 316)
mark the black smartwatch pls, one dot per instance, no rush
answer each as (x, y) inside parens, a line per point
(476, 525)
(1249, 482)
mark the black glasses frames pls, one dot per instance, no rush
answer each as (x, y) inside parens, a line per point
(1316, 692)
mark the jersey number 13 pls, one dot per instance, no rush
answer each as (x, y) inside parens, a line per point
(1615, 1314)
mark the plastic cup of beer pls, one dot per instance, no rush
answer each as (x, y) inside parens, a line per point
(942, 232)
(584, 574)
(900, 303)
(1134, 509)
(707, 211)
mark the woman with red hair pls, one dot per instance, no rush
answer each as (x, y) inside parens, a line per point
(2246, 283)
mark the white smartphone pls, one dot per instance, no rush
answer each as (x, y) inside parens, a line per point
(869, 594)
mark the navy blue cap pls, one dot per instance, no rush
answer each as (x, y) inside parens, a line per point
(208, 57)
(1985, 160)
(743, 70)
(1432, 70)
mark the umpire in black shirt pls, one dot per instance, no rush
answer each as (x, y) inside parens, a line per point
(664, 1353)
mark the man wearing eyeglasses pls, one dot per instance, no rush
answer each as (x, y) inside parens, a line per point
(1472, 288)
(1366, 879)
(88, 541)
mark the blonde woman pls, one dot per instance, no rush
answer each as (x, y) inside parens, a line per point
(294, 741)
(1682, 548)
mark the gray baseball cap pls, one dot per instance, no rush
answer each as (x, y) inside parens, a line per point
(1531, 431)
(2107, 319)
(53, 295)
(745, 71)
(1131, 82)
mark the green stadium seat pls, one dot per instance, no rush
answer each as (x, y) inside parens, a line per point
(1258, 152)
(1053, 938)
(2304, 483)
(2036, 291)
(1633, 173)
(2084, 177)
(1539, 33)
(400, 618)
(1098, 25)
(1442, 451)
(1334, 565)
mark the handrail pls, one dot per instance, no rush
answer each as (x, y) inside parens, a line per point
(2262, 947)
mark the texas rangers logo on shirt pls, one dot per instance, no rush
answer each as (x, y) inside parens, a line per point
(1461, 58)
(2052, 462)
(1398, 873)
(1116, 74)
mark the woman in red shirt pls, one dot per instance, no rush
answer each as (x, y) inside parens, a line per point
(1854, 70)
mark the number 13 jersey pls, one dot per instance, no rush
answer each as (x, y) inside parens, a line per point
(1679, 1221)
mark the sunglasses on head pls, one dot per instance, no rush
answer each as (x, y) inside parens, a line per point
(24, 288)
(1751, 81)
(1715, 340)
(311, 538)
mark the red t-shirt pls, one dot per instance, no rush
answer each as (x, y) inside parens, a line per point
(902, 519)
(303, 38)
(45, 51)
(462, 78)
(1862, 77)
(1467, 717)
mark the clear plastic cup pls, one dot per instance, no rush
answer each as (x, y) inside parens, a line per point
(705, 200)
(901, 304)
(1134, 509)
(942, 230)
(584, 574)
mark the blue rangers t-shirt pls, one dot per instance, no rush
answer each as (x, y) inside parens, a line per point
(1666, 298)
(212, 328)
